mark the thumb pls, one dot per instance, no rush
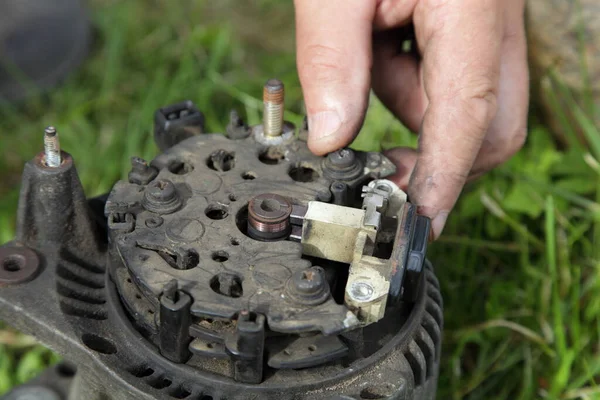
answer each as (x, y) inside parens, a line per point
(334, 61)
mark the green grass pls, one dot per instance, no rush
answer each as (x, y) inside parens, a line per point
(518, 263)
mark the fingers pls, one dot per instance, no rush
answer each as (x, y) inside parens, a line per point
(508, 130)
(462, 45)
(334, 62)
(405, 159)
(397, 79)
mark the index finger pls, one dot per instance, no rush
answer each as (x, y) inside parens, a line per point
(334, 61)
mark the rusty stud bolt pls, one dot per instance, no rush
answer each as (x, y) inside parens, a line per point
(269, 217)
(273, 95)
(51, 147)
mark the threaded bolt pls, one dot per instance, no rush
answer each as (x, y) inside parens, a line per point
(51, 147)
(273, 99)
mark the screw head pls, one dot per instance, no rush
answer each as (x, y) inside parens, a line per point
(343, 158)
(309, 281)
(161, 190)
(309, 286)
(361, 291)
(161, 197)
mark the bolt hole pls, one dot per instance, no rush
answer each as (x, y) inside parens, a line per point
(235, 242)
(312, 348)
(271, 157)
(161, 383)
(138, 296)
(181, 393)
(129, 280)
(13, 263)
(178, 167)
(209, 345)
(221, 160)
(98, 344)
(66, 370)
(151, 312)
(303, 174)
(217, 211)
(232, 197)
(142, 372)
(227, 284)
(220, 256)
(249, 175)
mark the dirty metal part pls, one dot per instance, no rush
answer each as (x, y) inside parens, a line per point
(141, 173)
(237, 128)
(18, 264)
(159, 290)
(51, 147)
(269, 217)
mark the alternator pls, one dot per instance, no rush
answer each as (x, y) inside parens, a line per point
(236, 266)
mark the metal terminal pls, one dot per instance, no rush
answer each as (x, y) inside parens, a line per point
(52, 147)
(273, 101)
(269, 217)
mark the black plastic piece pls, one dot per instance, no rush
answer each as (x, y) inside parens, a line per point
(246, 347)
(177, 122)
(416, 258)
(175, 323)
(339, 191)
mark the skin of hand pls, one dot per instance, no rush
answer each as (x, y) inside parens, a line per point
(465, 90)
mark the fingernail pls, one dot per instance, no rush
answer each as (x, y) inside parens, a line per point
(438, 223)
(323, 124)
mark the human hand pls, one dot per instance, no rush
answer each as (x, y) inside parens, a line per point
(466, 94)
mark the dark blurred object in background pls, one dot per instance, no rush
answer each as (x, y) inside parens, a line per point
(564, 47)
(41, 42)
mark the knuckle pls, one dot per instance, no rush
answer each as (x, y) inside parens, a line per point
(478, 101)
(322, 63)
